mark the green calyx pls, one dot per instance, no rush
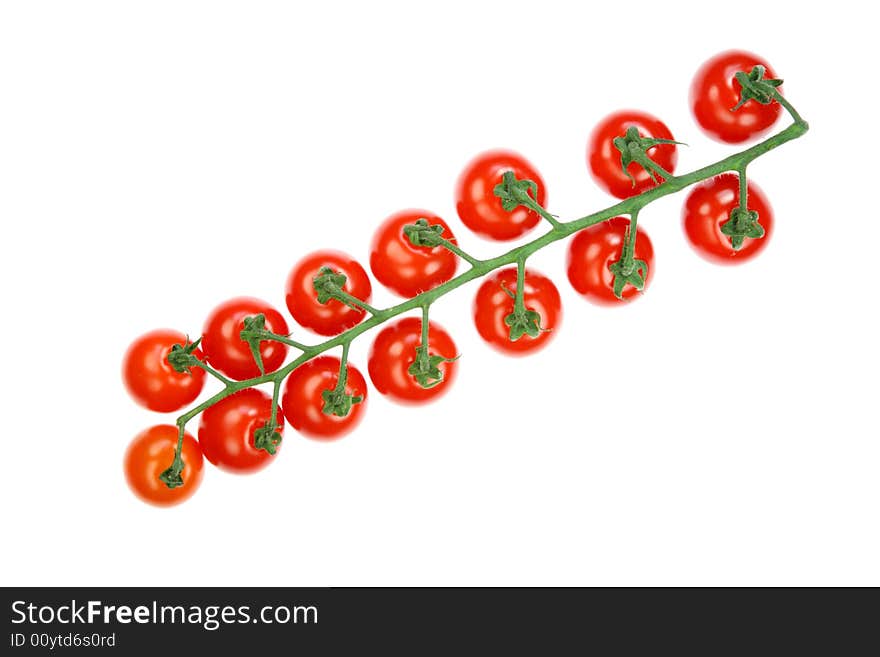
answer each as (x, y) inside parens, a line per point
(338, 402)
(328, 284)
(422, 233)
(756, 87)
(267, 437)
(742, 224)
(514, 193)
(252, 333)
(172, 477)
(522, 321)
(181, 357)
(628, 271)
(634, 148)
(425, 369)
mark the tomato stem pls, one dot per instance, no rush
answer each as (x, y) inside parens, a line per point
(425, 325)
(283, 339)
(350, 300)
(535, 206)
(276, 389)
(210, 370)
(519, 302)
(460, 253)
(743, 188)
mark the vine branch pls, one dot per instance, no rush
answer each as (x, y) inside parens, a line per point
(479, 268)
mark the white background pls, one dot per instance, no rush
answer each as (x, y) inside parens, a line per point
(157, 158)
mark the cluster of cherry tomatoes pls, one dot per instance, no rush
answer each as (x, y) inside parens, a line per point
(226, 431)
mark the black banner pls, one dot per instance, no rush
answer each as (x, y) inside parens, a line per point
(413, 621)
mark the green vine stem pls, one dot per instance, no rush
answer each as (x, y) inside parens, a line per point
(479, 268)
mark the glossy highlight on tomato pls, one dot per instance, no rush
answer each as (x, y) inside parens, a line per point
(227, 352)
(594, 249)
(333, 317)
(492, 304)
(479, 208)
(149, 377)
(394, 350)
(226, 431)
(715, 91)
(302, 398)
(150, 454)
(708, 206)
(406, 269)
(604, 159)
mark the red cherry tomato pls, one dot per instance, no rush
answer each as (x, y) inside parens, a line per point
(150, 454)
(708, 206)
(604, 158)
(591, 252)
(302, 398)
(394, 350)
(151, 380)
(226, 431)
(492, 304)
(715, 91)
(406, 269)
(333, 317)
(227, 352)
(479, 208)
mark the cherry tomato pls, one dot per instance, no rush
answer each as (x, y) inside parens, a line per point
(708, 206)
(151, 380)
(604, 158)
(406, 269)
(226, 431)
(333, 317)
(394, 350)
(492, 304)
(479, 208)
(302, 398)
(150, 454)
(715, 91)
(227, 352)
(594, 249)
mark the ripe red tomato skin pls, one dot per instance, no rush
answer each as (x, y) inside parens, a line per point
(478, 207)
(405, 269)
(593, 249)
(334, 317)
(714, 91)
(149, 377)
(394, 350)
(492, 305)
(227, 352)
(226, 431)
(708, 205)
(150, 454)
(604, 159)
(302, 399)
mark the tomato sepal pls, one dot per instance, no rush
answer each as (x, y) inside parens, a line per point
(172, 476)
(634, 148)
(634, 272)
(742, 224)
(338, 402)
(514, 192)
(754, 86)
(328, 284)
(181, 357)
(267, 437)
(425, 369)
(254, 327)
(421, 233)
